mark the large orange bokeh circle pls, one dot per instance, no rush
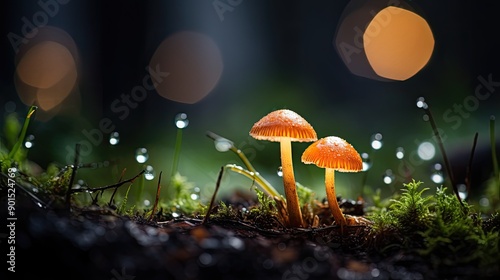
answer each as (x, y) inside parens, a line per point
(194, 65)
(398, 43)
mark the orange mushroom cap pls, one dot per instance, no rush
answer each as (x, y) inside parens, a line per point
(283, 123)
(333, 152)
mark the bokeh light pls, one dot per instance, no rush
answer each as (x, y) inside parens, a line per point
(376, 141)
(426, 150)
(378, 40)
(47, 70)
(194, 65)
(398, 43)
(45, 64)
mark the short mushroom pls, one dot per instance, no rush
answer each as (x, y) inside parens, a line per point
(285, 126)
(334, 154)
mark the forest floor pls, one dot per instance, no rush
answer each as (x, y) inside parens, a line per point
(96, 243)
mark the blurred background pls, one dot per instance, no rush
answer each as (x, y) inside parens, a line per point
(125, 71)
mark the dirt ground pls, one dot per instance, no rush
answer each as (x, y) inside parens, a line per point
(96, 243)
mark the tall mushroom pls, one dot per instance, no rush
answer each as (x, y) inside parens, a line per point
(334, 154)
(285, 126)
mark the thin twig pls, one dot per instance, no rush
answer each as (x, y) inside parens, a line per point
(116, 189)
(155, 205)
(73, 175)
(443, 152)
(496, 171)
(110, 186)
(469, 166)
(219, 179)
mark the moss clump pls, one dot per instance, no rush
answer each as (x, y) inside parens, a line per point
(437, 227)
(185, 201)
(456, 235)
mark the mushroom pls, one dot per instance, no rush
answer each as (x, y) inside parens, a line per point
(285, 126)
(334, 154)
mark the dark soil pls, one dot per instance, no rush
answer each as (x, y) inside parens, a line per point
(96, 243)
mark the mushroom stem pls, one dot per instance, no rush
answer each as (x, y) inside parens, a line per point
(292, 199)
(332, 197)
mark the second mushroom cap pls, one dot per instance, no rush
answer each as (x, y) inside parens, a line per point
(333, 152)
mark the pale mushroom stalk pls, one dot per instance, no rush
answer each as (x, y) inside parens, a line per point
(286, 126)
(333, 154)
(292, 199)
(332, 197)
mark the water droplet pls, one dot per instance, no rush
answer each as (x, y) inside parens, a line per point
(280, 171)
(400, 153)
(141, 155)
(376, 141)
(79, 184)
(462, 191)
(149, 173)
(426, 150)
(421, 103)
(181, 120)
(484, 201)
(437, 166)
(367, 162)
(114, 138)
(437, 177)
(196, 193)
(425, 117)
(29, 141)
(388, 177)
(223, 144)
(146, 202)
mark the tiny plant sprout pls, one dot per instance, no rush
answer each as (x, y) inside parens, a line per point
(223, 145)
(285, 126)
(333, 154)
(181, 122)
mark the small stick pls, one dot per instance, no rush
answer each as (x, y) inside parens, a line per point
(469, 166)
(205, 219)
(494, 153)
(110, 186)
(158, 188)
(177, 150)
(73, 174)
(116, 189)
(443, 152)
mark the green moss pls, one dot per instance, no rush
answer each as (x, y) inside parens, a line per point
(225, 211)
(180, 200)
(436, 227)
(456, 235)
